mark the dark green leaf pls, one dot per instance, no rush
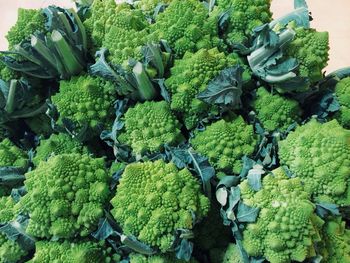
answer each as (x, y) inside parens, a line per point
(11, 175)
(178, 155)
(228, 181)
(163, 90)
(136, 245)
(184, 250)
(254, 180)
(326, 209)
(226, 89)
(247, 214)
(104, 230)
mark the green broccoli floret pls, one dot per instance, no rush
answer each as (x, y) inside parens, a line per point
(342, 93)
(225, 143)
(244, 16)
(187, 26)
(336, 241)
(154, 199)
(190, 76)
(55, 145)
(274, 111)
(6, 74)
(86, 100)
(310, 48)
(150, 125)
(117, 27)
(28, 21)
(137, 258)
(10, 250)
(11, 155)
(287, 226)
(148, 6)
(319, 154)
(73, 252)
(66, 196)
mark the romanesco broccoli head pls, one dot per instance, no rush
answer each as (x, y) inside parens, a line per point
(275, 112)
(66, 196)
(225, 143)
(244, 16)
(6, 74)
(310, 48)
(138, 258)
(336, 239)
(150, 125)
(107, 19)
(190, 76)
(11, 155)
(57, 144)
(28, 21)
(10, 250)
(148, 6)
(187, 26)
(86, 100)
(342, 93)
(73, 252)
(319, 154)
(286, 227)
(154, 199)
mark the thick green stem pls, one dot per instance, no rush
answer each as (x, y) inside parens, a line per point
(146, 88)
(41, 48)
(66, 53)
(81, 29)
(11, 97)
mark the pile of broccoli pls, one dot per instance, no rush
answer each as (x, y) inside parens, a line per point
(172, 131)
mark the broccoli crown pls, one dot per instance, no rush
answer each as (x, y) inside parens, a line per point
(138, 258)
(72, 252)
(186, 26)
(244, 16)
(154, 199)
(28, 22)
(286, 227)
(225, 143)
(85, 101)
(274, 111)
(6, 208)
(150, 125)
(148, 6)
(11, 155)
(310, 48)
(117, 27)
(336, 241)
(123, 44)
(342, 93)
(320, 155)
(66, 196)
(190, 76)
(57, 144)
(10, 251)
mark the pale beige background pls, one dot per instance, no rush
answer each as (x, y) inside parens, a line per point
(332, 16)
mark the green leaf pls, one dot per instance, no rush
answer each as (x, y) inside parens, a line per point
(247, 214)
(226, 89)
(136, 245)
(104, 229)
(184, 250)
(326, 209)
(254, 177)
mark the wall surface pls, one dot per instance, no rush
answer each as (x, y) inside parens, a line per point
(332, 16)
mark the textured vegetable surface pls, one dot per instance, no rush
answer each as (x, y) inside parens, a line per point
(172, 131)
